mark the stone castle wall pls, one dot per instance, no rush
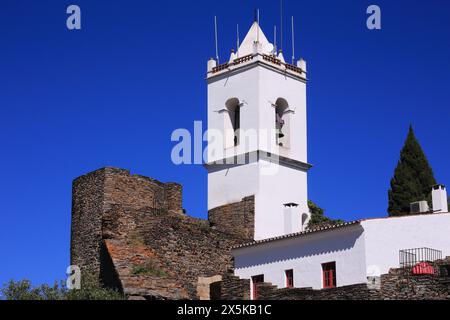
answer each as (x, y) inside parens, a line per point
(230, 288)
(138, 192)
(86, 226)
(131, 231)
(100, 192)
(237, 218)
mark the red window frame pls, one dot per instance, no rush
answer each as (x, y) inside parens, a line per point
(255, 280)
(289, 274)
(329, 275)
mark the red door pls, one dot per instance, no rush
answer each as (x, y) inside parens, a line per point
(329, 275)
(289, 278)
(255, 280)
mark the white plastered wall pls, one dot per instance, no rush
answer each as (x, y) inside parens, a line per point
(272, 190)
(257, 88)
(386, 237)
(274, 85)
(240, 85)
(232, 183)
(305, 255)
(286, 185)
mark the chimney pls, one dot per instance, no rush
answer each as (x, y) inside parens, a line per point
(439, 196)
(290, 218)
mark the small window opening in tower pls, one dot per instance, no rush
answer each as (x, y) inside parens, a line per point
(237, 124)
(282, 123)
(233, 122)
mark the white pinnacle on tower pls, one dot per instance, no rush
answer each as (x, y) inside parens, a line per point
(258, 103)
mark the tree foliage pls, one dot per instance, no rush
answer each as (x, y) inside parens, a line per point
(90, 290)
(413, 178)
(318, 217)
(23, 290)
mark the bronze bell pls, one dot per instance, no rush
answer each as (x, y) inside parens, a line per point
(280, 134)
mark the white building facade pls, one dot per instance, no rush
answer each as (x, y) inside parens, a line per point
(257, 113)
(354, 251)
(257, 146)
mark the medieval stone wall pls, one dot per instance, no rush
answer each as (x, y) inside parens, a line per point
(137, 192)
(237, 218)
(185, 248)
(86, 227)
(230, 288)
(150, 248)
(400, 284)
(102, 191)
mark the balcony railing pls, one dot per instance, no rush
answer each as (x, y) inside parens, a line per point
(250, 57)
(411, 257)
(243, 59)
(293, 68)
(220, 67)
(272, 59)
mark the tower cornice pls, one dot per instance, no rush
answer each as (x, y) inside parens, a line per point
(255, 156)
(270, 62)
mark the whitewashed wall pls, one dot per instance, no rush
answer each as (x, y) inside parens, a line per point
(286, 186)
(231, 184)
(274, 85)
(386, 237)
(271, 192)
(372, 246)
(258, 87)
(305, 255)
(243, 85)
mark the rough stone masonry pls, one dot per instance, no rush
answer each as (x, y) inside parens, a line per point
(131, 232)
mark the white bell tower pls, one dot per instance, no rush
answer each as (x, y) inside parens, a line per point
(257, 141)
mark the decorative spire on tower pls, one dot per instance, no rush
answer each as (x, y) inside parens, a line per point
(256, 48)
(255, 37)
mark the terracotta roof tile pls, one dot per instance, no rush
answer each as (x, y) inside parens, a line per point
(298, 234)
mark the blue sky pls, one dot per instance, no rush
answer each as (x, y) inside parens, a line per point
(112, 93)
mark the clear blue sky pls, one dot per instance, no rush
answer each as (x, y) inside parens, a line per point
(111, 94)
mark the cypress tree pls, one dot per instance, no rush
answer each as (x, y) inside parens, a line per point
(413, 178)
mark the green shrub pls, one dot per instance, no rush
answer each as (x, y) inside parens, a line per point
(149, 269)
(90, 290)
(318, 217)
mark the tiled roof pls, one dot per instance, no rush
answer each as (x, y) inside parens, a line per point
(298, 234)
(331, 227)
